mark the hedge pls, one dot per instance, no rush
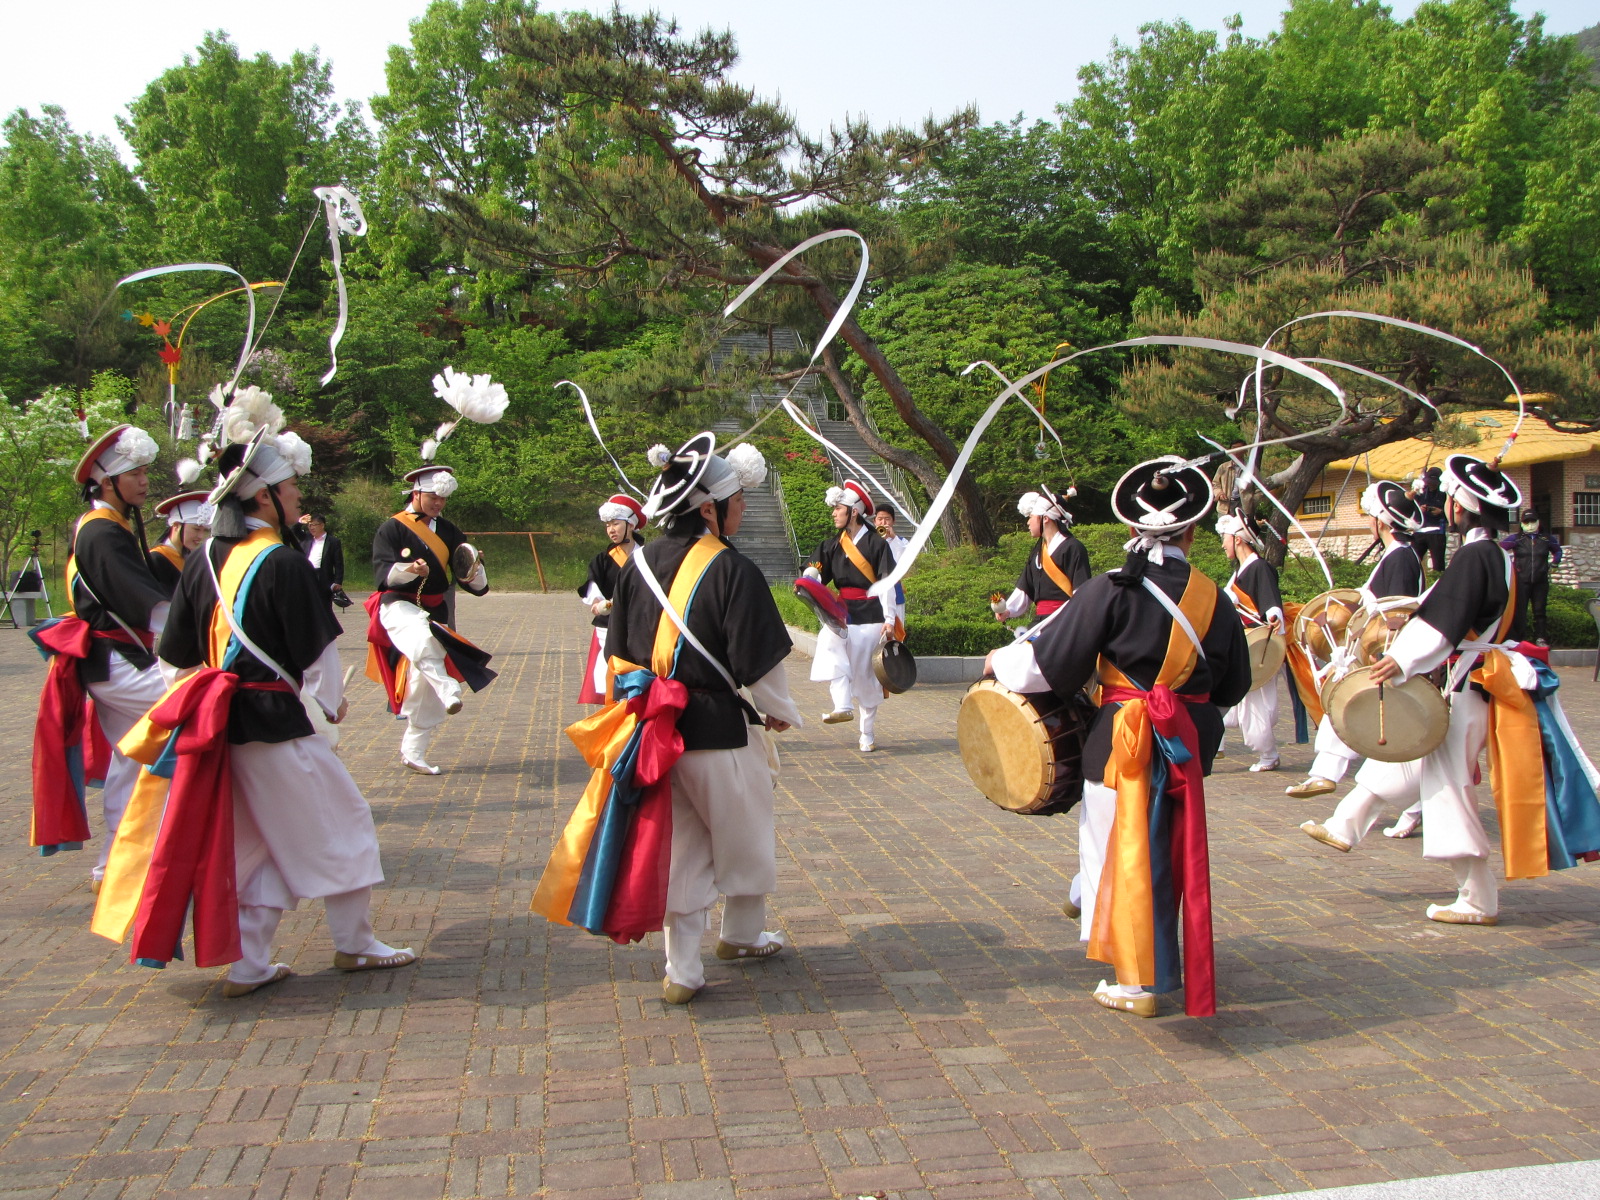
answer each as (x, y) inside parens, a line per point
(947, 593)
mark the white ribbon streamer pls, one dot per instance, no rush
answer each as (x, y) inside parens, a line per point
(941, 501)
(249, 297)
(343, 210)
(845, 305)
(583, 399)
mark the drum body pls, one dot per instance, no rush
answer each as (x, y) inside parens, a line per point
(1025, 753)
(1268, 649)
(1376, 627)
(1395, 723)
(895, 666)
(1324, 623)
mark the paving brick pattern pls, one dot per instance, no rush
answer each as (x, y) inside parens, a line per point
(930, 1035)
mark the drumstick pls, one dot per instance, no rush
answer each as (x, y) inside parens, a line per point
(1383, 734)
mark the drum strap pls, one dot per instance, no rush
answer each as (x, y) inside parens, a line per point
(1177, 614)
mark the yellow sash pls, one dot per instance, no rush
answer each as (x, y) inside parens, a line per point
(1516, 765)
(857, 559)
(171, 553)
(418, 525)
(1053, 570)
(618, 556)
(601, 739)
(1123, 933)
(1245, 604)
(94, 514)
(234, 569)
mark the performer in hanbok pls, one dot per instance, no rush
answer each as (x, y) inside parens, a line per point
(100, 651)
(1058, 565)
(243, 810)
(1253, 590)
(852, 561)
(1169, 653)
(622, 516)
(1393, 516)
(188, 518)
(415, 652)
(681, 755)
(1501, 694)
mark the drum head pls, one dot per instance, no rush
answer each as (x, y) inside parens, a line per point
(1324, 621)
(1267, 652)
(463, 560)
(1004, 747)
(1377, 628)
(895, 667)
(1399, 723)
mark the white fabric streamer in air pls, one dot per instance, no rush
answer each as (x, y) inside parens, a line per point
(344, 215)
(588, 413)
(249, 297)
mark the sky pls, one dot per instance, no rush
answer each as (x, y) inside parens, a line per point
(894, 61)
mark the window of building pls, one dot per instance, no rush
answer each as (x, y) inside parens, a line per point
(1321, 506)
(1586, 508)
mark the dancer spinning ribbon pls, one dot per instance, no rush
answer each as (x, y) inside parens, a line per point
(622, 516)
(698, 647)
(1253, 590)
(243, 810)
(99, 652)
(1549, 814)
(1168, 651)
(1059, 564)
(853, 560)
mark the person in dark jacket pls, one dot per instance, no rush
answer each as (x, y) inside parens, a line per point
(1533, 554)
(1429, 539)
(327, 558)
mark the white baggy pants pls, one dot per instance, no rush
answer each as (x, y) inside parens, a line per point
(429, 688)
(1255, 718)
(1452, 831)
(845, 665)
(1333, 759)
(724, 841)
(124, 696)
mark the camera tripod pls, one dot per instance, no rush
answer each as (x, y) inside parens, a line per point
(28, 586)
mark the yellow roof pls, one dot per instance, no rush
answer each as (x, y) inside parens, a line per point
(1535, 444)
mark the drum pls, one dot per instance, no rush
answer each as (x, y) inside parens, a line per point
(464, 560)
(1376, 628)
(1393, 723)
(1025, 753)
(894, 666)
(1268, 649)
(1324, 621)
(829, 608)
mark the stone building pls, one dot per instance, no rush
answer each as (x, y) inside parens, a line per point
(1559, 474)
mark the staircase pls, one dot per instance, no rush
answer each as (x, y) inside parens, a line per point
(765, 537)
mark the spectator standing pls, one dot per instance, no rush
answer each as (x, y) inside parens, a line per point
(1533, 554)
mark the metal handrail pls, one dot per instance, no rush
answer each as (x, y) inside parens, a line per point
(783, 507)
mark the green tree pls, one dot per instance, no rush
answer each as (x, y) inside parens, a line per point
(661, 182)
(69, 213)
(1363, 224)
(229, 149)
(1561, 213)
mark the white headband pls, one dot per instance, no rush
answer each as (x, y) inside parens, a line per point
(134, 448)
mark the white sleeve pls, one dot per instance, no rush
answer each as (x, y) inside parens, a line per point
(1419, 648)
(398, 575)
(1016, 603)
(158, 617)
(323, 681)
(813, 574)
(1274, 613)
(479, 577)
(770, 695)
(1016, 668)
(591, 594)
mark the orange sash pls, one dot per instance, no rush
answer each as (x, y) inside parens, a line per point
(170, 553)
(1053, 570)
(418, 525)
(1516, 761)
(1123, 933)
(618, 556)
(857, 559)
(94, 514)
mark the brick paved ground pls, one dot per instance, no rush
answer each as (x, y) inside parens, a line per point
(931, 1035)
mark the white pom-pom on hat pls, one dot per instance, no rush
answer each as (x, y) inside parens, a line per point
(188, 470)
(476, 397)
(659, 456)
(251, 411)
(748, 464)
(295, 451)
